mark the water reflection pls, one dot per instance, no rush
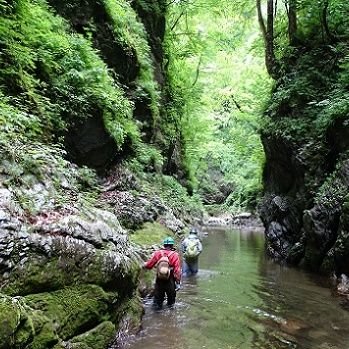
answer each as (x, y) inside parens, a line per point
(240, 299)
(305, 313)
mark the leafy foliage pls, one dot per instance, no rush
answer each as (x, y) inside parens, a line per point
(57, 75)
(147, 159)
(312, 91)
(219, 85)
(131, 34)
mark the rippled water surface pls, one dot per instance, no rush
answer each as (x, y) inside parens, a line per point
(240, 299)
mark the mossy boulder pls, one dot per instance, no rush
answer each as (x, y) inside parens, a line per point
(96, 338)
(63, 272)
(82, 316)
(10, 317)
(72, 310)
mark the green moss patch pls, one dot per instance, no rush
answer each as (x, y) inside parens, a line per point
(150, 234)
(72, 310)
(97, 338)
(56, 75)
(10, 317)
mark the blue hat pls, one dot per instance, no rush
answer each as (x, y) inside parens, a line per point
(193, 231)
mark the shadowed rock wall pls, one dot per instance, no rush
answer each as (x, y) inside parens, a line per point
(306, 176)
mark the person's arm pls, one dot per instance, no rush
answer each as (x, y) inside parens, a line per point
(199, 246)
(177, 270)
(152, 261)
(183, 245)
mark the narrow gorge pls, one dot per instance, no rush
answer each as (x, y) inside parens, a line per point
(122, 122)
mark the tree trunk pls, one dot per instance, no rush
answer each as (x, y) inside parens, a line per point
(292, 21)
(331, 37)
(268, 36)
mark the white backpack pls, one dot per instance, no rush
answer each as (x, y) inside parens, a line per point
(192, 249)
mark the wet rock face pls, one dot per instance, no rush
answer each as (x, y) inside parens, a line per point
(304, 208)
(281, 209)
(283, 225)
(134, 209)
(88, 143)
(283, 172)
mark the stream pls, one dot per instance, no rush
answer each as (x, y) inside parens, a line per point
(241, 299)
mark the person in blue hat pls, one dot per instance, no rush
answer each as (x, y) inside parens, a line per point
(191, 247)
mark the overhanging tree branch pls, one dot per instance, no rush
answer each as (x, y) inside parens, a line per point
(177, 20)
(197, 72)
(237, 105)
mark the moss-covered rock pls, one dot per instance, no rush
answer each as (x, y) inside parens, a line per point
(97, 338)
(45, 338)
(73, 309)
(83, 315)
(74, 270)
(10, 317)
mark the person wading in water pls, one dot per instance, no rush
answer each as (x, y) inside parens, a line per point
(191, 248)
(168, 273)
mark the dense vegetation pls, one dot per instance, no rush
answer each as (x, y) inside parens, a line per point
(221, 87)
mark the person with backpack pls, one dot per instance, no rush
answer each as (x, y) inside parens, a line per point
(168, 273)
(191, 247)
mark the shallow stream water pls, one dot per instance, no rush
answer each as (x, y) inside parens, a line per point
(240, 299)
